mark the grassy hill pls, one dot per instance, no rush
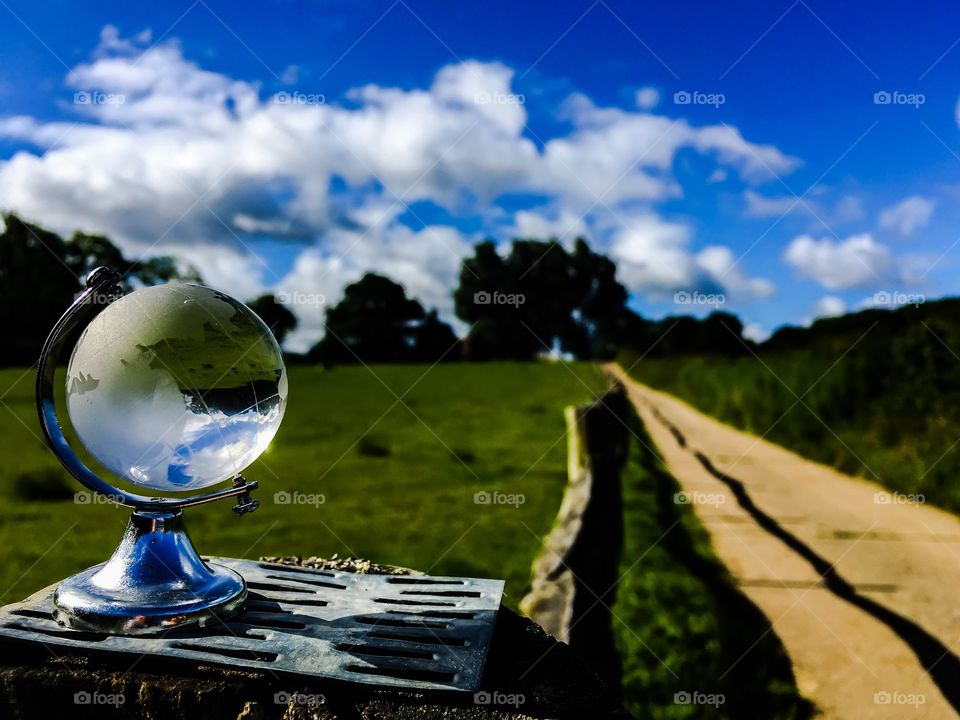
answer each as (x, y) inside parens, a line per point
(874, 393)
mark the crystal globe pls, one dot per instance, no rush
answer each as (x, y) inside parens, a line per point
(176, 387)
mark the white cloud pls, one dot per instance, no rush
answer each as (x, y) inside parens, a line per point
(854, 262)
(763, 206)
(110, 41)
(616, 155)
(427, 262)
(647, 98)
(755, 162)
(827, 306)
(290, 75)
(908, 215)
(653, 256)
(848, 208)
(562, 225)
(182, 160)
(755, 332)
(723, 269)
(717, 176)
(246, 274)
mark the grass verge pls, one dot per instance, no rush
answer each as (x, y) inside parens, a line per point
(682, 628)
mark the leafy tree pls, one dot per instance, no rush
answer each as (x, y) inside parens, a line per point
(540, 298)
(162, 269)
(602, 321)
(36, 286)
(276, 315)
(85, 252)
(498, 328)
(718, 334)
(435, 340)
(376, 322)
(722, 334)
(41, 274)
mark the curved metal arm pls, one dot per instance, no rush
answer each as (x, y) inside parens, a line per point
(103, 285)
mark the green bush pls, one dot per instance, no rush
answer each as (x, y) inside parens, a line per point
(373, 447)
(45, 484)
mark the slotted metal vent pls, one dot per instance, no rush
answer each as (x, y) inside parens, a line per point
(397, 630)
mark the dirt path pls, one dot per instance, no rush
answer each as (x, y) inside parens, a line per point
(861, 586)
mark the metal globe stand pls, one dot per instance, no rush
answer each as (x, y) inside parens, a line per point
(155, 579)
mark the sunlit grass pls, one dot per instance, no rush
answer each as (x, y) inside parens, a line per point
(396, 477)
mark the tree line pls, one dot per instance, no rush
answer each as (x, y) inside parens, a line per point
(536, 298)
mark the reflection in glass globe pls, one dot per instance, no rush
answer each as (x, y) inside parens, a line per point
(176, 387)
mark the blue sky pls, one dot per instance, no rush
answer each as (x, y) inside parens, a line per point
(495, 118)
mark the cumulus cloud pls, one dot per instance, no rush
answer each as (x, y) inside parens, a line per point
(909, 214)
(755, 332)
(653, 254)
(427, 261)
(615, 155)
(846, 209)
(563, 225)
(166, 156)
(718, 175)
(720, 267)
(290, 75)
(758, 205)
(855, 262)
(828, 306)
(647, 98)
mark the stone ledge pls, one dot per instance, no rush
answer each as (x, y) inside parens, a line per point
(40, 682)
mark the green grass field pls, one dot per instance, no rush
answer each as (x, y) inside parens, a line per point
(398, 482)
(397, 478)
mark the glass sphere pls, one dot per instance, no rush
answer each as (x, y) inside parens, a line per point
(176, 387)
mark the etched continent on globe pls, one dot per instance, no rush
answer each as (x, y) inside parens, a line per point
(176, 387)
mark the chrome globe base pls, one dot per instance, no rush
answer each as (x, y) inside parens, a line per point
(154, 581)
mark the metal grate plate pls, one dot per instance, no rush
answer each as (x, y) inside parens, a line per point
(412, 631)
